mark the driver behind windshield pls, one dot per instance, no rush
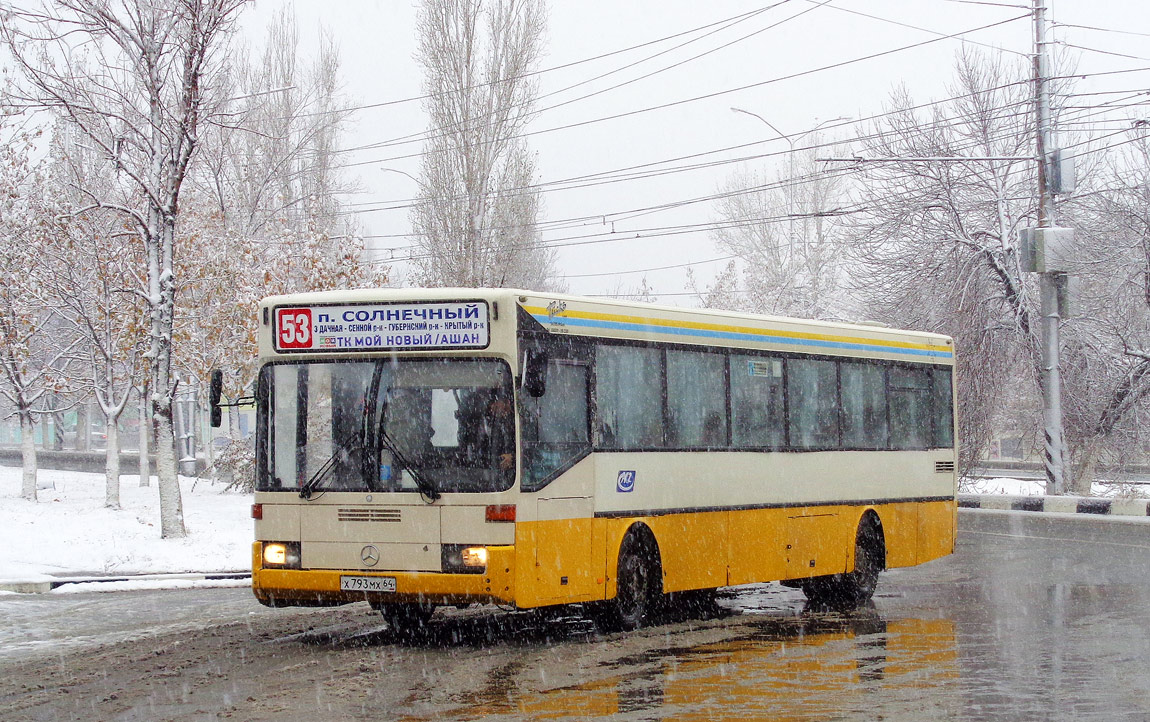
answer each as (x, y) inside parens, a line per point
(487, 430)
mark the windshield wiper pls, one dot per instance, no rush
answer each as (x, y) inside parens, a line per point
(341, 454)
(426, 488)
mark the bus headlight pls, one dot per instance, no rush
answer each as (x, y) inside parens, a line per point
(281, 555)
(475, 557)
(464, 558)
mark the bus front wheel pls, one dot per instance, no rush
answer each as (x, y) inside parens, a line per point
(635, 587)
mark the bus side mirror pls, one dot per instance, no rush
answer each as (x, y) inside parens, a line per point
(215, 391)
(535, 372)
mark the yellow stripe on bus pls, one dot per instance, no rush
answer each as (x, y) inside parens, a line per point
(726, 328)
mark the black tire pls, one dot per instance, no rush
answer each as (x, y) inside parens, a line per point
(405, 619)
(854, 588)
(635, 588)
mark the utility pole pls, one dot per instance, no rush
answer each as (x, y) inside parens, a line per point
(1049, 280)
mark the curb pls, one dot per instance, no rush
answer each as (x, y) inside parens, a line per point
(1059, 504)
(44, 586)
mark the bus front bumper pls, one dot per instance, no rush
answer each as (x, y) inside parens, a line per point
(278, 587)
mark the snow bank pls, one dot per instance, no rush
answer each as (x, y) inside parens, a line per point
(1037, 487)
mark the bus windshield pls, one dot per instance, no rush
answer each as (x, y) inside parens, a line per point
(381, 426)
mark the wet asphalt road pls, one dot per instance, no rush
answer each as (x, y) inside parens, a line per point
(1036, 617)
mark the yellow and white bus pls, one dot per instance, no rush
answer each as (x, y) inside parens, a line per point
(450, 446)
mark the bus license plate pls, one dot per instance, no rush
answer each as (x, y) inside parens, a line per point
(367, 584)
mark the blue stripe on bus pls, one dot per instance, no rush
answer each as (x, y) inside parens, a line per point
(734, 336)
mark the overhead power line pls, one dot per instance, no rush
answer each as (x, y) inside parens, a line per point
(654, 169)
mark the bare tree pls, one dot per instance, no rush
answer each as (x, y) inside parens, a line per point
(89, 277)
(937, 240)
(475, 220)
(136, 77)
(32, 352)
(785, 236)
(265, 200)
(1106, 357)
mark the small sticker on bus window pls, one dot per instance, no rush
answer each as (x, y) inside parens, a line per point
(385, 472)
(769, 368)
(626, 481)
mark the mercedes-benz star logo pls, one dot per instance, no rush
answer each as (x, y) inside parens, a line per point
(369, 555)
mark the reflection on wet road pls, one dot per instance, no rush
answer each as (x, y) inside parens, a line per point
(1028, 620)
(807, 667)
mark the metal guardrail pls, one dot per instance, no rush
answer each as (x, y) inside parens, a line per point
(1058, 504)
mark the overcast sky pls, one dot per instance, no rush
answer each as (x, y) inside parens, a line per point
(798, 63)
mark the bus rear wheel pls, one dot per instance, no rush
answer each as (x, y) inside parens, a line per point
(852, 589)
(405, 618)
(635, 587)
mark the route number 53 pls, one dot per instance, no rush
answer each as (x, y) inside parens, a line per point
(293, 328)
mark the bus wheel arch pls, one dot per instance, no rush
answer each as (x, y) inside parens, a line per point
(856, 587)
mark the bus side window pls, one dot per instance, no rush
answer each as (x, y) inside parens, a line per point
(696, 399)
(629, 396)
(812, 395)
(864, 411)
(943, 408)
(757, 407)
(910, 422)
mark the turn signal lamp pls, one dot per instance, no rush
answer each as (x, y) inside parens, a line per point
(500, 512)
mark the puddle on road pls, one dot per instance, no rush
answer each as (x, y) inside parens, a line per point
(779, 667)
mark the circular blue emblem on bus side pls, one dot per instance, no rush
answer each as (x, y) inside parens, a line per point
(626, 481)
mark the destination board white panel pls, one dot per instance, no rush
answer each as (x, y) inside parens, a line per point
(374, 327)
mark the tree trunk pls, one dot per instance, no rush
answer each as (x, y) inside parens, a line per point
(112, 466)
(57, 432)
(171, 502)
(145, 438)
(83, 429)
(28, 455)
(1083, 480)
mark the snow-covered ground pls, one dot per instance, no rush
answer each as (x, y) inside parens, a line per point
(1017, 487)
(69, 531)
(1037, 487)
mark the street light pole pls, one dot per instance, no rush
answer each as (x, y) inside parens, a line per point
(791, 140)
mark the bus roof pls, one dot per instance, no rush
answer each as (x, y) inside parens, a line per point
(618, 319)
